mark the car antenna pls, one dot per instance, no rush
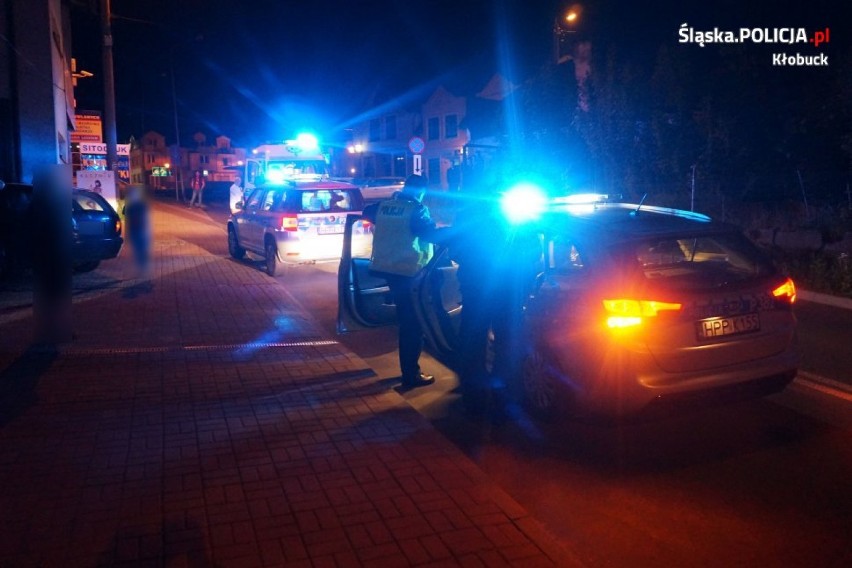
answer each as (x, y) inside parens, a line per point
(638, 207)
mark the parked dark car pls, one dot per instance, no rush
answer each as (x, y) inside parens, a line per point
(95, 228)
(633, 307)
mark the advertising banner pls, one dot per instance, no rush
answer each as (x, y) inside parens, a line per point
(89, 127)
(102, 182)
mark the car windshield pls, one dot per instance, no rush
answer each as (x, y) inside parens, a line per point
(696, 262)
(283, 170)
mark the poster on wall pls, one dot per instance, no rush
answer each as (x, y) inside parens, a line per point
(102, 182)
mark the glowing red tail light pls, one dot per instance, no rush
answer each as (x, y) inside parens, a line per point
(624, 312)
(786, 291)
(289, 222)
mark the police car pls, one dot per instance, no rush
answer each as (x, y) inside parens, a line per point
(633, 307)
(293, 222)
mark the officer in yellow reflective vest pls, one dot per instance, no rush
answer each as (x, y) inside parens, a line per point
(402, 246)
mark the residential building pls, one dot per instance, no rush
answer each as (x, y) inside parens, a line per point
(151, 162)
(445, 140)
(159, 166)
(219, 161)
(379, 145)
(456, 129)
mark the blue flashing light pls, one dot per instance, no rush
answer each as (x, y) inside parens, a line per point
(523, 202)
(307, 141)
(275, 175)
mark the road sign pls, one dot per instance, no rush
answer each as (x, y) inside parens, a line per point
(416, 145)
(417, 166)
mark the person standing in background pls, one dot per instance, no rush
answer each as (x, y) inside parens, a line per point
(197, 185)
(137, 222)
(235, 195)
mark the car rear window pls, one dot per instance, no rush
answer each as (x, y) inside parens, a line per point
(89, 202)
(325, 200)
(700, 261)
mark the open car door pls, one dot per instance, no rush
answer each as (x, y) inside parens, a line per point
(365, 301)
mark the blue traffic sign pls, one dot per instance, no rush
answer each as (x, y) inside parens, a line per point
(416, 144)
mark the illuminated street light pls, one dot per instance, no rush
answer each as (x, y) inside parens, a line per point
(565, 23)
(359, 149)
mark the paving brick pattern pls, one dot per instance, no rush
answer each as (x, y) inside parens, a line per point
(207, 421)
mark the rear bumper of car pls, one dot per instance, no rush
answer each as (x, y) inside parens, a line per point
(89, 249)
(622, 382)
(298, 249)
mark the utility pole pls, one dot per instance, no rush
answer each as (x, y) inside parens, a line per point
(177, 155)
(109, 86)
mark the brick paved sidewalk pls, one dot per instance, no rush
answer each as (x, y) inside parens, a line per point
(206, 421)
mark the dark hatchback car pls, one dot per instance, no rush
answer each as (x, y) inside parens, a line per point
(633, 308)
(95, 228)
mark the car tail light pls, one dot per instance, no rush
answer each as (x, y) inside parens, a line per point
(624, 312)
(118, 226)
(786, 291)
(289, 222)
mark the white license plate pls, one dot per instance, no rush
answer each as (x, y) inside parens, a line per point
(330, 229)
(721, 327)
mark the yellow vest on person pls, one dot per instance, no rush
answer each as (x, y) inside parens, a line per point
(396, 250)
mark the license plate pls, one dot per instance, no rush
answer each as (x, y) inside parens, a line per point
(330, 229)
(721, 327)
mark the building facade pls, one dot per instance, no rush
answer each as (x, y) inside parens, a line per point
(36, 91)
(159, 166)
(456, 130)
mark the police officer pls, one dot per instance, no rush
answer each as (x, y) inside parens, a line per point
(402, 246)
(495, 265)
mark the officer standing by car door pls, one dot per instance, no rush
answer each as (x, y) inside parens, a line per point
(402, 247)
(496, 266)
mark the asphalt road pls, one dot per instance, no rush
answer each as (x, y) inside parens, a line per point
(760, 483)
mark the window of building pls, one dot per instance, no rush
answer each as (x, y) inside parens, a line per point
(434, 173)
(375, 129)
(390, 127)
(451, 126)
(434, 128)
(203, 159)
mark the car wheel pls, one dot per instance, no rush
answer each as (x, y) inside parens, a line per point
(234, 248)
(274, 267)
(86, 266)
(544, 396)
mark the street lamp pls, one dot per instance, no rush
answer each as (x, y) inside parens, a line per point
(564, 25)
(358, 149)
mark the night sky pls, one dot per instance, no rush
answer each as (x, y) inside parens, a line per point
(259, 70)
